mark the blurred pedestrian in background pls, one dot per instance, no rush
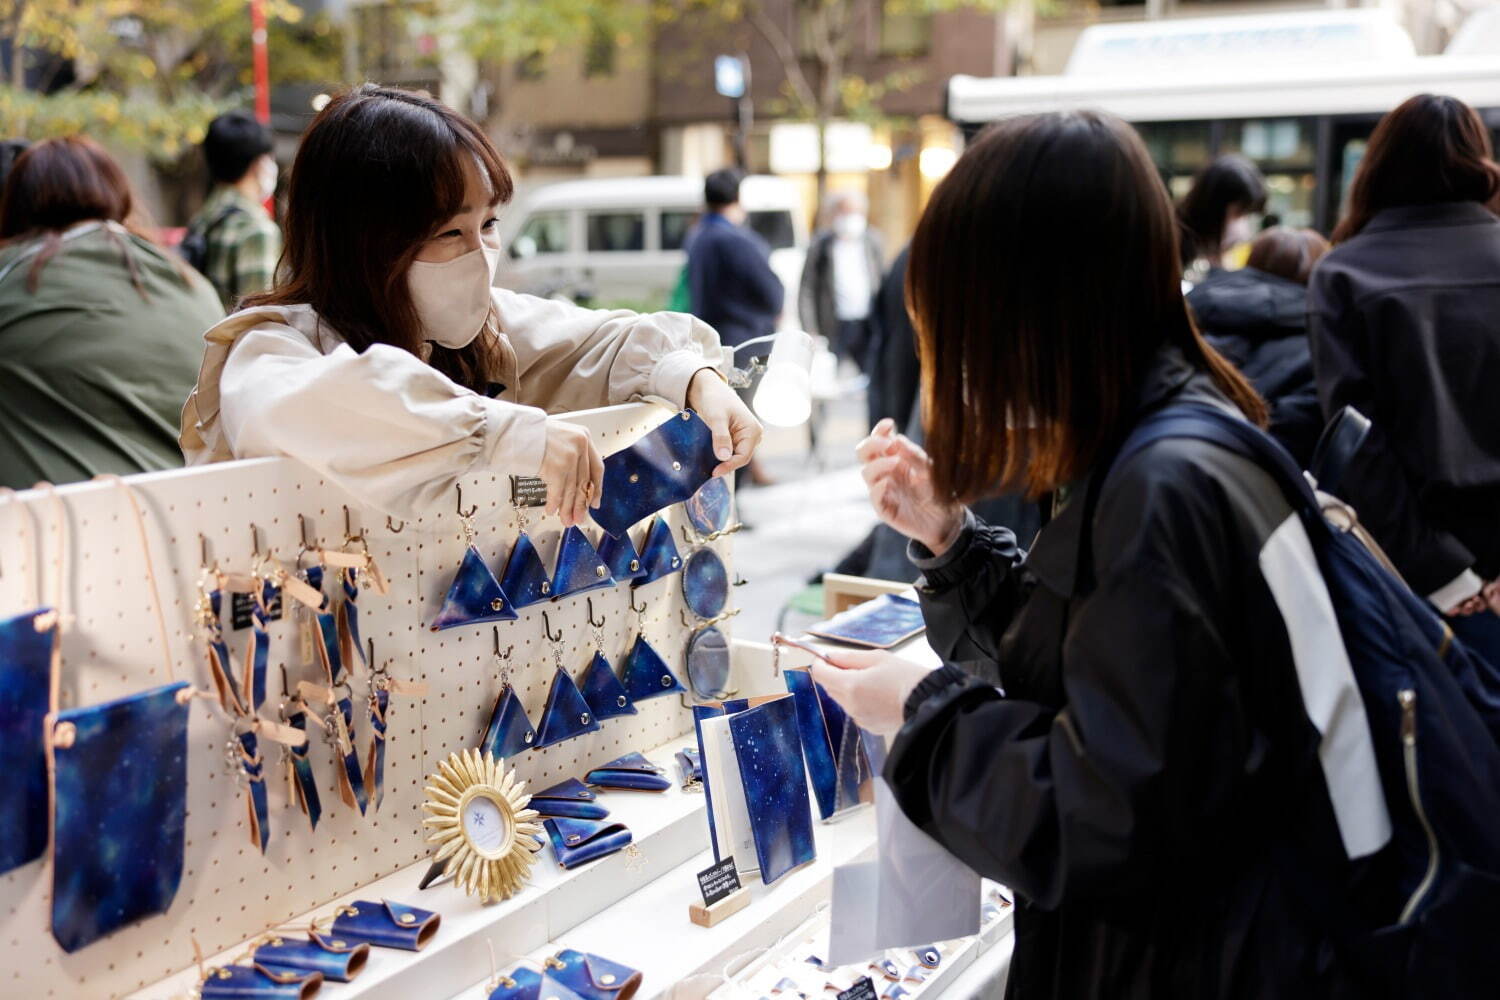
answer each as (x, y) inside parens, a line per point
(1405, 326)
(1257, 318)
(1216, 214)
(893, 367)
(100, 329)
(233, 239)
(840, 276)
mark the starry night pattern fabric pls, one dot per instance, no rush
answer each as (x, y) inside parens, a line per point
(708, 509)
(646, 674)
(769, 753)
(620, 556)
(121, 809)
(817, 748)
(603, 690)
(474, 597)
(666, 466)
(566, 714)
(579, 567)
(705, 583)
(708, 663)
(659, 554)
(525, 580)
(25, 680)
(509, 731)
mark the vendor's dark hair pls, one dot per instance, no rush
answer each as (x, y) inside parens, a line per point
(58, 183)
(722, 187)
(377, 172)
(1431, 149)
(1025, 381)
(234, 141)
(1230, 181)
(1287, 253)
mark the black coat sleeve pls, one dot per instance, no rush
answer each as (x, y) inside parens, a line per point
(1134, 774)
(1381, 489)
(972, 592)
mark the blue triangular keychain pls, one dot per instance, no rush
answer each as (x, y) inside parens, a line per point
(509, 731)
(659, 555)
(579, 567)
(475, 596)
(603, 690)
(647, 675)
(618, 553)
(566, 715)
(525, 580)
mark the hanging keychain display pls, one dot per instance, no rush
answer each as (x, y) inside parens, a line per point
(601, 688)
(644, 673)
(475, 595)
(579, 567)
(301, 783)
(659, 556)
(382, 686)
(509, 732)
(566, 713)
(525, 579)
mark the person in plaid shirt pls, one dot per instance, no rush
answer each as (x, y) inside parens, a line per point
(242, 241)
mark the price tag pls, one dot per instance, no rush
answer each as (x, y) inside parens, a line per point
(718, 881)
(528, 491)
(242, 605)
(863, 989)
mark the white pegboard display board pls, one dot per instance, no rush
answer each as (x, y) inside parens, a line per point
(229, 891)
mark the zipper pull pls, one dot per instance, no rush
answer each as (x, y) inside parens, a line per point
(1407, 699)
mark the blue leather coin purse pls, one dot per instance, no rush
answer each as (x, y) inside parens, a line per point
(646, 674)
(257, 982)
(337, 960)
(570, 799)
(659, 556)
(578, 841)
(566, 714)
(666, 466)
(521, 984)
(385, 925)
(27, 644)
(579, 567)
(632, 772)
(603, 690)
(590, 976)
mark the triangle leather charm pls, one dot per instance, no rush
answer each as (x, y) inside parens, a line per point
(647, 674)
(579, 567)
(618, 553)
(525, 579)
(659, 554)
(474, 597)
(509, 731)
(603, 690)
(566, 715)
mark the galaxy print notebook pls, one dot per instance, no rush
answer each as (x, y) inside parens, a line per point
(752, 761)
(886, 621)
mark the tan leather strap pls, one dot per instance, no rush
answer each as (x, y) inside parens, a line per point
(140, 527)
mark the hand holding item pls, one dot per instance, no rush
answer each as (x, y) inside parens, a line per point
(872, 686)
(736, 431)
(572, 470)
(898, 475)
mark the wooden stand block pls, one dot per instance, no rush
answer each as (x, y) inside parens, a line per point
(707, 916)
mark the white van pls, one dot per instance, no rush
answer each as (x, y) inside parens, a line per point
(618, 240)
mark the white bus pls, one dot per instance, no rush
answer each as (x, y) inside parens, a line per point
(1297, 93)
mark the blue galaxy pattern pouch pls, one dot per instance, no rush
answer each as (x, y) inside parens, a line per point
(666, 466)
(26, 648)
(119, 791)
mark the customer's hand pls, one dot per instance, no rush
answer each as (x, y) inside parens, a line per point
(871, 686)
(1491, 594)
(572, 470)
(736, 431)
(898, 475)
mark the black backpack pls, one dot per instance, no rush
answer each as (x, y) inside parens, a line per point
(194, 246)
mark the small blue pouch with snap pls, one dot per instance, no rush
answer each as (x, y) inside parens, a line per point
(665, 467)
(27, 645)
(659, 556)
(521, 984)
(337, 960)
(603, 690)
(570, 799)
(590, 977)
(646, 674)
(257, 982)
(386, 925)
(632, 772)
(578, 841)
(566, 714)
(619, 554)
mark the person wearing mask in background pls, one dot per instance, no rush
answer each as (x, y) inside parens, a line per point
(840, 276)
(1257, 318)
(233, 239)
(1404, 318)
(386, 361)
(99, 326)
(1215, 214)
(1150, 761)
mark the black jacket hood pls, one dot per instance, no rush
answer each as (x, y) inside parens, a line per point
(1249, 303)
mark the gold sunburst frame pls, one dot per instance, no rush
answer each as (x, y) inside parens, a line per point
(486, 835)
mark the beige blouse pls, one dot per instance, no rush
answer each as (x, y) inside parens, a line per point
(398, 434)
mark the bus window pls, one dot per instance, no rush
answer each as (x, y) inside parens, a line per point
(1179, 149)
(1284, 150)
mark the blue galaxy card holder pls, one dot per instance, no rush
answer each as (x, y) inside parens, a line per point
(336, 960)
(26, 646)
(769, 751)
(570, 799)
(666, 466)
(881, 623)
(576, 842)
(258, 982)
(633, 772)
(386, 924)
(119, 791)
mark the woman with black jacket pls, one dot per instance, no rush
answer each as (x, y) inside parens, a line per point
(1151, 764)
(1404, 316)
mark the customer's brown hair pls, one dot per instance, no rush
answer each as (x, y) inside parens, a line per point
(1043, 280)
(1432, 149)
(1287, 253)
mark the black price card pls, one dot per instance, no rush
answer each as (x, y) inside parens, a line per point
(718, 881)
(863, 989)
(241, 605)
(527, 491)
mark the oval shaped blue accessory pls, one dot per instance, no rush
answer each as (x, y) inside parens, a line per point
(705, 583)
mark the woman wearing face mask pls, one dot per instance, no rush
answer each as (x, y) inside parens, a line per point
(1215, 213)
(386, 361)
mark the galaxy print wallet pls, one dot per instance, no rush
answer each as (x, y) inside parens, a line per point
(881, 623)
(833, 747)
(27, 643)
(665, 467)
(119, 793)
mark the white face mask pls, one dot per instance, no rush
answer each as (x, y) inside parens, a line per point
(453, 298)
(1241, 230)
(266, 174)
(849, 225)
